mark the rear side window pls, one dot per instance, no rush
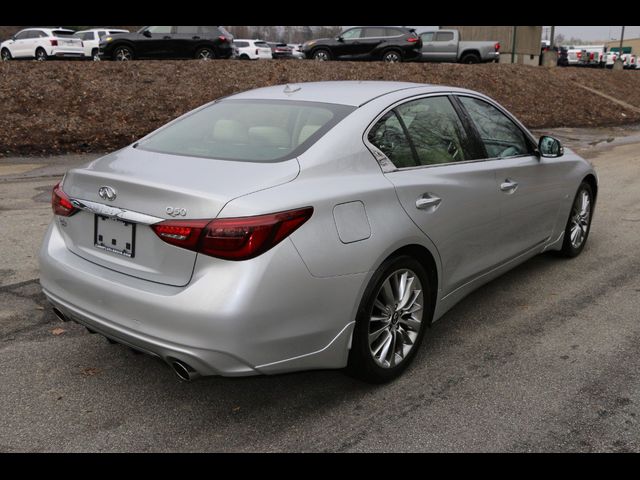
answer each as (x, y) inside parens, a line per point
(248, 130)
(393, 32)
(444, 36)
(501, 137)
(374, 32)
(422, 132)
(435, 131)
(262, 45)
(187, 30)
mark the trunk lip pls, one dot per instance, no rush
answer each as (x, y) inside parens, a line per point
(115, 212)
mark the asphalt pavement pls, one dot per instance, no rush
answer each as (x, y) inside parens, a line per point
(545, 358)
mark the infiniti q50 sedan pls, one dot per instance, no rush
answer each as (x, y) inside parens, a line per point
(308, 226)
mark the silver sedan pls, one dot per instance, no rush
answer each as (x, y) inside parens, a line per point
(308, 226)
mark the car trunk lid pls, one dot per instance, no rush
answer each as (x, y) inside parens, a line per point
(146, 187)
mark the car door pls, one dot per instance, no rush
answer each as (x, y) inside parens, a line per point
(350, 46)
(371, 39)
(442, 185)
(530, 187)
(186, 39)
(18, 48)
(155, 42)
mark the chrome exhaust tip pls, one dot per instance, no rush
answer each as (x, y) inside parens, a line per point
(60, 315)
(184, 371)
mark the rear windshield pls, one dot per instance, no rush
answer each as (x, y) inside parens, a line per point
(248, 130)
(63, 33)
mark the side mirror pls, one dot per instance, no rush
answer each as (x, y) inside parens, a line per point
(147, 33)
(13, 38)
(550, 147)
(340, 39)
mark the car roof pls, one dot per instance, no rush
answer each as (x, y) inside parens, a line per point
(349, 92)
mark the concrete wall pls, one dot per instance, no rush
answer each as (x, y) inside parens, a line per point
(527, 39)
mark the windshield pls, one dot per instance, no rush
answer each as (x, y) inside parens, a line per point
(248, 130)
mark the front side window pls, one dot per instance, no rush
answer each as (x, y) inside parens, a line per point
(21, 35)
(159, 30)
(352, 34)
(187, 30)
(248, 130)
(501, 137)
(435, 131)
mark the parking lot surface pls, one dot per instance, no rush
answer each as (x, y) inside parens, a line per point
(545, 358)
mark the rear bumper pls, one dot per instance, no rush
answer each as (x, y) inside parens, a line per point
(267, 315)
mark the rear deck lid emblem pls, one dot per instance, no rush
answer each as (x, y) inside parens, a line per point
(107, 193)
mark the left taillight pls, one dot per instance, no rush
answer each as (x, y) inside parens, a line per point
(60, 203)
(233, 238)
(497, 47)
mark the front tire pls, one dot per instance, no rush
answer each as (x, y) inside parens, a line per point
(322, 55)
(391, 321)
(95, 55)
(5, 55)
(579, 223)
(41, 55)
(122, 54)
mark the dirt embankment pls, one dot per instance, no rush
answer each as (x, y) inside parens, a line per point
(59, 107)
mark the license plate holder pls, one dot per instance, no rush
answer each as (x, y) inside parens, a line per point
(115, 236)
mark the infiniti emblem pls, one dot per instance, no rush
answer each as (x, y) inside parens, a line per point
(107, 193)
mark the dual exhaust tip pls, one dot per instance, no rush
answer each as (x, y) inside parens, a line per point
(184, 371)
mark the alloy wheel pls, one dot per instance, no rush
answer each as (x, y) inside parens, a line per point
(123, 54)
(41, 55)
(580, 218)
(392, 57)
(5, 55)
(396, 318)
(321, 56)
(205, 55)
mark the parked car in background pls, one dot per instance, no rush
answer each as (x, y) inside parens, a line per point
(252, 49)
(389, 44)
(215, 242)
(574, 55)
(91, 40)
(280, 50)
(446, 46)
(296, 50)
(42, 44)
(158, 42)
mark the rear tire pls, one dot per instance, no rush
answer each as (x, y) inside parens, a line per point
(470, 58)
(392, 56)
(122, 53)
(95, 55)
(321, 55)
(578, 225)
(41, 55)
(205, 54)
(5, 55)
(389, 328)
(244, 56)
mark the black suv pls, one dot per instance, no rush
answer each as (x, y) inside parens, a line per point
(390, 44)
(168, 42)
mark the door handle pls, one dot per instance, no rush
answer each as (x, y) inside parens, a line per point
(427, 201)
(196, 38)
(509, 186)
(166, 38)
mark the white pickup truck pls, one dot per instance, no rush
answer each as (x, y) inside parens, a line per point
(446, 46)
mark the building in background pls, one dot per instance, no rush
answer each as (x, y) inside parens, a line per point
(629, 45)
(527, 45)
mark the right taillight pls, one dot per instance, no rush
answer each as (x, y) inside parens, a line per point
(60, 203)
(239, 238)
(497, 46)
(54, 43)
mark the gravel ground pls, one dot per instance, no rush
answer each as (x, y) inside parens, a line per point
(63, 107)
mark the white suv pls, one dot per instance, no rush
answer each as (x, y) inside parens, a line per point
(253, 49)
(42, 44)
(91, 40)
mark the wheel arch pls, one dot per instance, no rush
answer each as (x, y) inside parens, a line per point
(387, 49)
(471, 51)
(428, 261)
(593, 183)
